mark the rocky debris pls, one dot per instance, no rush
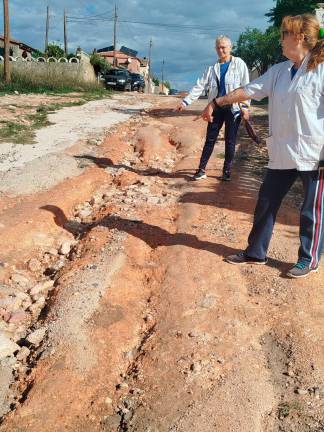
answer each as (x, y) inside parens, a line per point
(19, 317)
(34, 265)
(23, 354)
(35, 338)
(65, 247)
(20, 279)
(84, 210)
(42, 287)
(195, 367)
(208, 301)
(302, 391)
(7, 347)
(111, 423)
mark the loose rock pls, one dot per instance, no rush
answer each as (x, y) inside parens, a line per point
(23, 354)
(7, 347)
(34, 265)
(37, 336)
(65, 248)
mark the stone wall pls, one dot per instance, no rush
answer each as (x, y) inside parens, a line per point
(78, 68)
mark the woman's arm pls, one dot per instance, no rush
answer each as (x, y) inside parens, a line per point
(238, 95)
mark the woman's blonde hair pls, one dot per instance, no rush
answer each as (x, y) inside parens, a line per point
(307, 25)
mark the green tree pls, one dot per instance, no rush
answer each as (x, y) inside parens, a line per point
(99, 64)
(167, 84)
(289, 7)
(54, 51)
(156, 80)
(259, 50)
(37, 53)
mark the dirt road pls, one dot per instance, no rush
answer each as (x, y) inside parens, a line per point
(146, 328)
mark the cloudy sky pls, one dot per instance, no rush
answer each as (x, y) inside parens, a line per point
(186, 50)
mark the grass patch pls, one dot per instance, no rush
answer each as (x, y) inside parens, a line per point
(16, 133)
(20, 133)
(220, 155)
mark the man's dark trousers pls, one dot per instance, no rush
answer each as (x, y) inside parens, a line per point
(232, 122)
(274, 188)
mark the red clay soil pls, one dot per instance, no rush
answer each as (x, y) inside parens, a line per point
(148, 329)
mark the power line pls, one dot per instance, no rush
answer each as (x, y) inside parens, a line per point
(171, 28)
(154, 24)
(94, 16)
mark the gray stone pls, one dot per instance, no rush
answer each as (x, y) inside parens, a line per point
(37, 336)
(23, 354)
(7, 347)
(20, 279)
(65, 248)
(112, 422)
(302, 391)
(208, 302)
(42, 287)
(195, 367)
(34, 265)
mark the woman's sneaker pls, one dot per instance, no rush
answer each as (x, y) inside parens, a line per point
(241, 258)
(199, 175)
(301, 270)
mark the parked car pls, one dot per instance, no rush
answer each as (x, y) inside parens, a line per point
(138, 82)
(119, 79)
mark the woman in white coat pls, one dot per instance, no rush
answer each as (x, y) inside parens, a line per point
(296, 142)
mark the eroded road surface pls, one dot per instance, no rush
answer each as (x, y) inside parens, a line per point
(118, 310)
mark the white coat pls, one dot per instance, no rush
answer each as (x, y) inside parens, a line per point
(296, 115)
(236, 76)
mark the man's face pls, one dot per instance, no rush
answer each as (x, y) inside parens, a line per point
(223, 49)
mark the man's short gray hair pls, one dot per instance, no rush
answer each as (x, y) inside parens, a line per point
(223, 37)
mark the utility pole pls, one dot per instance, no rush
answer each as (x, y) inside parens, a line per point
(115, 36)
(47, 29)
(162, 87)
(149, 65)
(65, 35)
(7, 77)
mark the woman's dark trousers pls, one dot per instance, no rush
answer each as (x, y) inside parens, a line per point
(274, 188)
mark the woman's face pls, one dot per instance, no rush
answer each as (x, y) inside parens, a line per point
(292, 46)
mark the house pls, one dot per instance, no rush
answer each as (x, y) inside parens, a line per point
(17, 48)
(122, 60)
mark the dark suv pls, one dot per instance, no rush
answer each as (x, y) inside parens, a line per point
(138, 82)
(119, 79)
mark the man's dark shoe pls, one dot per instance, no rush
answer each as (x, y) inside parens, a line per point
(241, 258)
(226, 176)
(301, 270)
(199, 175)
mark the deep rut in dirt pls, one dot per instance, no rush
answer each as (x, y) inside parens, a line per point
(149, 330)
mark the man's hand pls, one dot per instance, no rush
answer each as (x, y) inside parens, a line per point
(245, 114)
(207, 114)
